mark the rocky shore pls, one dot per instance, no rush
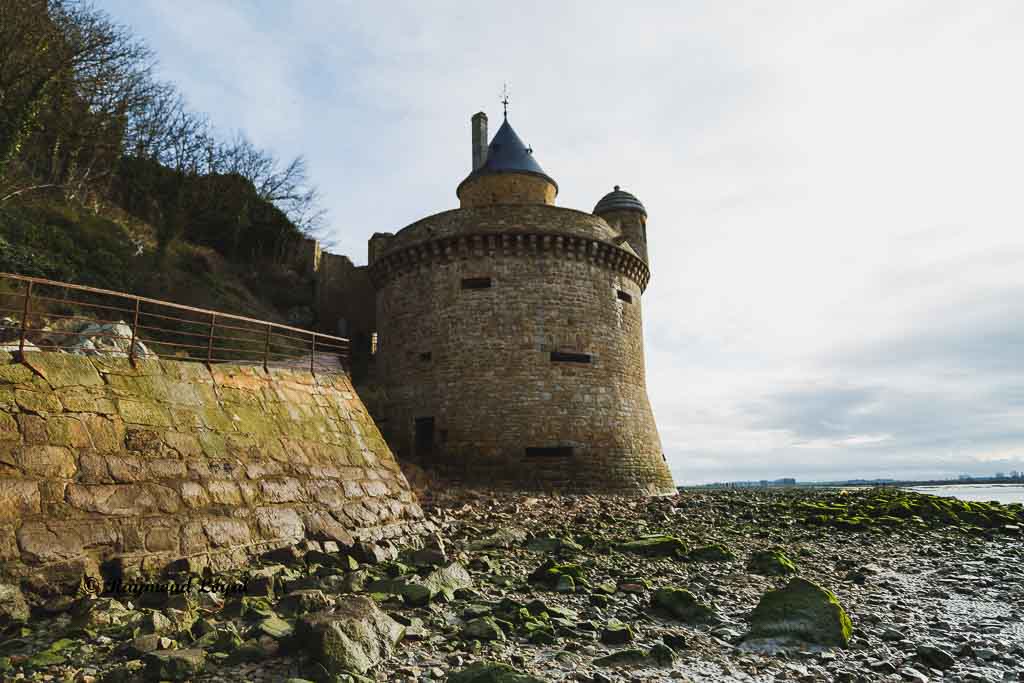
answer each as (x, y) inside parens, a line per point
(755, 585)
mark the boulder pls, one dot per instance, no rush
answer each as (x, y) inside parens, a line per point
(302, 601)
(107, 339)
(616, 633)
(801, 610)
(711, 553)
(13, 607)
(683, 605)
(771, 562)
(658, 545)
(550, 573)
(446, 580)
(490, 672)
(482, 628)
(354, 636)
(935, 657)
(174, 665)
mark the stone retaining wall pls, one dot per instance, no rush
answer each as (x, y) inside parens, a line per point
(106, 464)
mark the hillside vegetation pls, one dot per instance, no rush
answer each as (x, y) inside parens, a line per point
(108, 179)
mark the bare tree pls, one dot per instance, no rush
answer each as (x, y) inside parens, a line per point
(286, 186)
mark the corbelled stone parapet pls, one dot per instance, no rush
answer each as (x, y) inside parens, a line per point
(103, 462)
(463, 246)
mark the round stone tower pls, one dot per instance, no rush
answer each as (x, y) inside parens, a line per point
(510, 343)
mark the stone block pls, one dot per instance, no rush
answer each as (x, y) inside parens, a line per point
(9, 430)
(162, 539)
(143, 413)
(322, 526)
(225, 532)
(185, 445)
(67, 431)
(193, 494)
(282, 491)
(93, 468)
(107, 434)
(47, 461)
(167, 468)
(18, 497)
(123, 499)
(126, 468)
(145, 441)
(149, 388)
(224, 492)
(15, 373)
(279, 523)
(64, 370)
(39, 402)
(85, 400)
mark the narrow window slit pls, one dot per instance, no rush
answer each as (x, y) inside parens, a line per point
(476, 283)
(549, 452)
(624, 296)
(569, 357)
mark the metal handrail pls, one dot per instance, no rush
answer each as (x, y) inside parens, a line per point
(339, 346)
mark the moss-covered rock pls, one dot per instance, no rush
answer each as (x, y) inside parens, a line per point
(482, 628)
(13, 607)
(490, 672)
(630, 657)
(711, 553)
(550, 572)
(175, 665)
(771, 562)
(801, 610)
(355, 636)
(616, 633)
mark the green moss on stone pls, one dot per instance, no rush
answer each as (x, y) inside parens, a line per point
(771, 562)
(711, 553)
(143, 413)
(64, 370)
(43, 402)
(801, 610)
(490, 672)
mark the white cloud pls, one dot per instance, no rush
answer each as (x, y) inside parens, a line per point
(833, 190)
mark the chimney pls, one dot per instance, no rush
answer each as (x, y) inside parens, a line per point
(479, 125)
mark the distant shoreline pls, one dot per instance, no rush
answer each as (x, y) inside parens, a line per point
(893, 483)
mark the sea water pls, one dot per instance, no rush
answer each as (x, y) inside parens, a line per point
(1000, 493)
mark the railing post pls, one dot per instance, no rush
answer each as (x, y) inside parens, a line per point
(209, 341)
(266, 350)
(24, 321)
(312, 357)
(135, 327)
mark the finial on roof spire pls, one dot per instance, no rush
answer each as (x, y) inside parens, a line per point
(504, 98)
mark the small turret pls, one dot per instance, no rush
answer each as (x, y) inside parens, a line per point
(627, 214)
(507, 172)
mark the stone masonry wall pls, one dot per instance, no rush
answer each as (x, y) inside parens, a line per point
(506, 188)
(103, 463)
(478, 361)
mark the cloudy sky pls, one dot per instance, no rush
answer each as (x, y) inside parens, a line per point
(834, 189)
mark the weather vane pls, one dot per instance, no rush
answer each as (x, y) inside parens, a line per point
(504, 97)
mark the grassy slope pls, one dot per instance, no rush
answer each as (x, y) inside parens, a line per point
(49, 237)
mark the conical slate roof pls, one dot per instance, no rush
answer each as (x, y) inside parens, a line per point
(619, 200)
(507, 153)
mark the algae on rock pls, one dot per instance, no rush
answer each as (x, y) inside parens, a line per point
(801, 610)
(771, 562)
